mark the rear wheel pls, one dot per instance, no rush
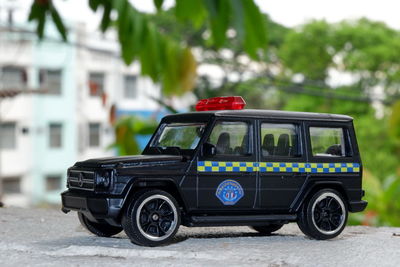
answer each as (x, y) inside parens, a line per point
(152, 218)
(267, 229)
(324, 215)
(100, 229)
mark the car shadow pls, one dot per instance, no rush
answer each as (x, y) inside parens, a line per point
(180, 237)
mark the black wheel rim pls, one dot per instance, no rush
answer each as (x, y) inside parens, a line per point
(156, 217)
(328, 213)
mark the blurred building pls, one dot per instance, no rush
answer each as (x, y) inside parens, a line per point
(56, 100)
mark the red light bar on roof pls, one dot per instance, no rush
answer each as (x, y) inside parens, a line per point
(221, 103)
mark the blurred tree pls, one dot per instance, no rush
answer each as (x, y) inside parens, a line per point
(308, 50)
(161, 57)
(127, 131)
(234, 72)
(367, 51)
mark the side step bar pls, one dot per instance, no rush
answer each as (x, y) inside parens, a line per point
(237, 220)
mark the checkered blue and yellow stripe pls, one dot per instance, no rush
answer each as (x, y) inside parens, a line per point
(300, 167)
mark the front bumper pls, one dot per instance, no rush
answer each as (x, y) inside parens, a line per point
(92, 206)
(357, 206)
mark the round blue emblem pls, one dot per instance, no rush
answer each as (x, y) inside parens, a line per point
(229, 192)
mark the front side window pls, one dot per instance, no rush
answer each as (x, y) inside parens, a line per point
(327, 142)
(231, 138)
(279, 140)
(180, 136)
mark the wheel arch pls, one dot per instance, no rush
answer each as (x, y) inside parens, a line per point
(311, 189)
(165, 184)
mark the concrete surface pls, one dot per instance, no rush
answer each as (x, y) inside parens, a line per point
(32, 237)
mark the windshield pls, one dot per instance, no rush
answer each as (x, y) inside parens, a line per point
(179, 135)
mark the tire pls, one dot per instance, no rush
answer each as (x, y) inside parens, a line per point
(152, 218)
(267, 229)
(99, 229)
(324, 215)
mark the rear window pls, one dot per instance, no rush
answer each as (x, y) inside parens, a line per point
(327, 142)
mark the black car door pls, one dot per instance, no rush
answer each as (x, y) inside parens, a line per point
(282, 163)
(227, 180)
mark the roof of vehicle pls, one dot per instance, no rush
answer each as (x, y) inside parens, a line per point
(260, 113)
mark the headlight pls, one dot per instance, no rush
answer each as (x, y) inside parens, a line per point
(103, 179)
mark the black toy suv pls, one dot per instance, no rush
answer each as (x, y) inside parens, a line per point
(225, 166)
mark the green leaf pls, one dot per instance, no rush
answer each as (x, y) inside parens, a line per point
(40, 27)
(158, 4)
(58, 22)
(219, 20)
(35, 12)
(94, 4)
(193, 11)
(238, 18)
(106, 19)
(255, 37)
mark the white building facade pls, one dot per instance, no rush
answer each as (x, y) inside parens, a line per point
(41, 135)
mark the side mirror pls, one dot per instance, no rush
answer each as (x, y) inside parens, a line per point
(209, 150)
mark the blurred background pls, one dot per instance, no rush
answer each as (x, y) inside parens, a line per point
(83, 79)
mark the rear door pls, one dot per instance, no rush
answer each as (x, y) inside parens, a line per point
(227, 180)
(282, 163)
(333, 155)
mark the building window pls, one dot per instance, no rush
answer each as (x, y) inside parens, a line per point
(13, 78)
(55, 135)
(8, 135)
(96, 83)
(51, 80)
(53, 182)
(11, 185)
(130, 86)
(94, 134)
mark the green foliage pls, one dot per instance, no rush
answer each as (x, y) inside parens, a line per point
(383, 205)
(307, 50)
(40, 10)
(127, 129)
(161, 57)
(394, 122)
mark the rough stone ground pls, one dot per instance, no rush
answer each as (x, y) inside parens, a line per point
(50, 238)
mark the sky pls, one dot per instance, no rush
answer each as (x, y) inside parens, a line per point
(292, 12)
(287, 12)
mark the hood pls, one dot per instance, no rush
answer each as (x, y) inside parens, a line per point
(138, 160)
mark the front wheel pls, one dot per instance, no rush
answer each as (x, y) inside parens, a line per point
(152, 218)
(324, 215)
(99, 229)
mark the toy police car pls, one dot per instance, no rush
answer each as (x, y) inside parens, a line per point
(225, 166)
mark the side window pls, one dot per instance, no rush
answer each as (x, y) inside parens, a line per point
(279, 140)
(231, 138)
(327, 142)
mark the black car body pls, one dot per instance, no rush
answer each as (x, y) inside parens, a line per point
(275, 167)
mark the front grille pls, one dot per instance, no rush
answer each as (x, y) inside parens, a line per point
(84, 180)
